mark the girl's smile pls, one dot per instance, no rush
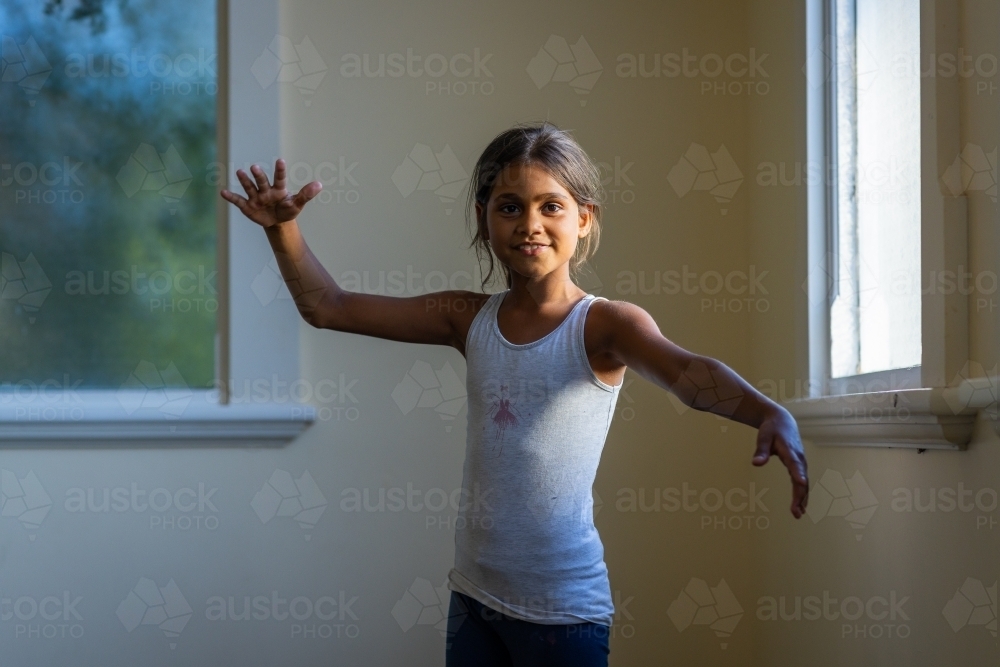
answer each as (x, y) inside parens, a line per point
(531, 250)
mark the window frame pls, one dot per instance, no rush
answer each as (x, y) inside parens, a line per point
(925, 406)
(250, 343)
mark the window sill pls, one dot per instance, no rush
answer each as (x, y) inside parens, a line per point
(927, 418)
(117, 417)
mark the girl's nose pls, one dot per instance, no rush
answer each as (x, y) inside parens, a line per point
(533, 222)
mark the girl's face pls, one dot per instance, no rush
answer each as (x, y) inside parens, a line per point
(528, 207)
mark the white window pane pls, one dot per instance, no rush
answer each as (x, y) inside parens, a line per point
(875, 320)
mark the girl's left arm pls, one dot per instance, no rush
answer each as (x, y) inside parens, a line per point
(629, 334)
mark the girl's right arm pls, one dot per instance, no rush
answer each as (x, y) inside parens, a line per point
(437, 318)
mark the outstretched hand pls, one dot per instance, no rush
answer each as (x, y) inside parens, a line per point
(779, 435)
(267, 204)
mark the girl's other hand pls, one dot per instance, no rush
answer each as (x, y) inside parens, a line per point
(779, 435)
(267, 204)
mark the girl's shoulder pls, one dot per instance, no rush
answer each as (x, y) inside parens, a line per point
(609, 318)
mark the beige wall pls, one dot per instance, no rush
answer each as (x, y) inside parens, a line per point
(646, 125)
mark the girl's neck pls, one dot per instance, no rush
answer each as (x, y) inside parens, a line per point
(530, 295)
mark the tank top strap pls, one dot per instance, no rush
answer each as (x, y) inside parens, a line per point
(483, 320)
(579, 344)
(579, 313)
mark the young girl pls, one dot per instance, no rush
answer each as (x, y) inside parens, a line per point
(545, 362)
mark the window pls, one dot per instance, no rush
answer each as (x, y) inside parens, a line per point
(888, 345)
(109, 233)
(874, 219)
(236, 123)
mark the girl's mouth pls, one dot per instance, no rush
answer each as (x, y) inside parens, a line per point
(531, 249)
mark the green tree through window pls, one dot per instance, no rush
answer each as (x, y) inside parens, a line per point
(107, 193)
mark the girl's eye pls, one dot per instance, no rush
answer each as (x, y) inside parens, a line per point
(554, 207)
(508, 208)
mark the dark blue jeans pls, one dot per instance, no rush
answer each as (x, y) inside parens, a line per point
(482, 637)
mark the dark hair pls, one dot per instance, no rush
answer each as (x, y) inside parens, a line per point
(557, 152)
